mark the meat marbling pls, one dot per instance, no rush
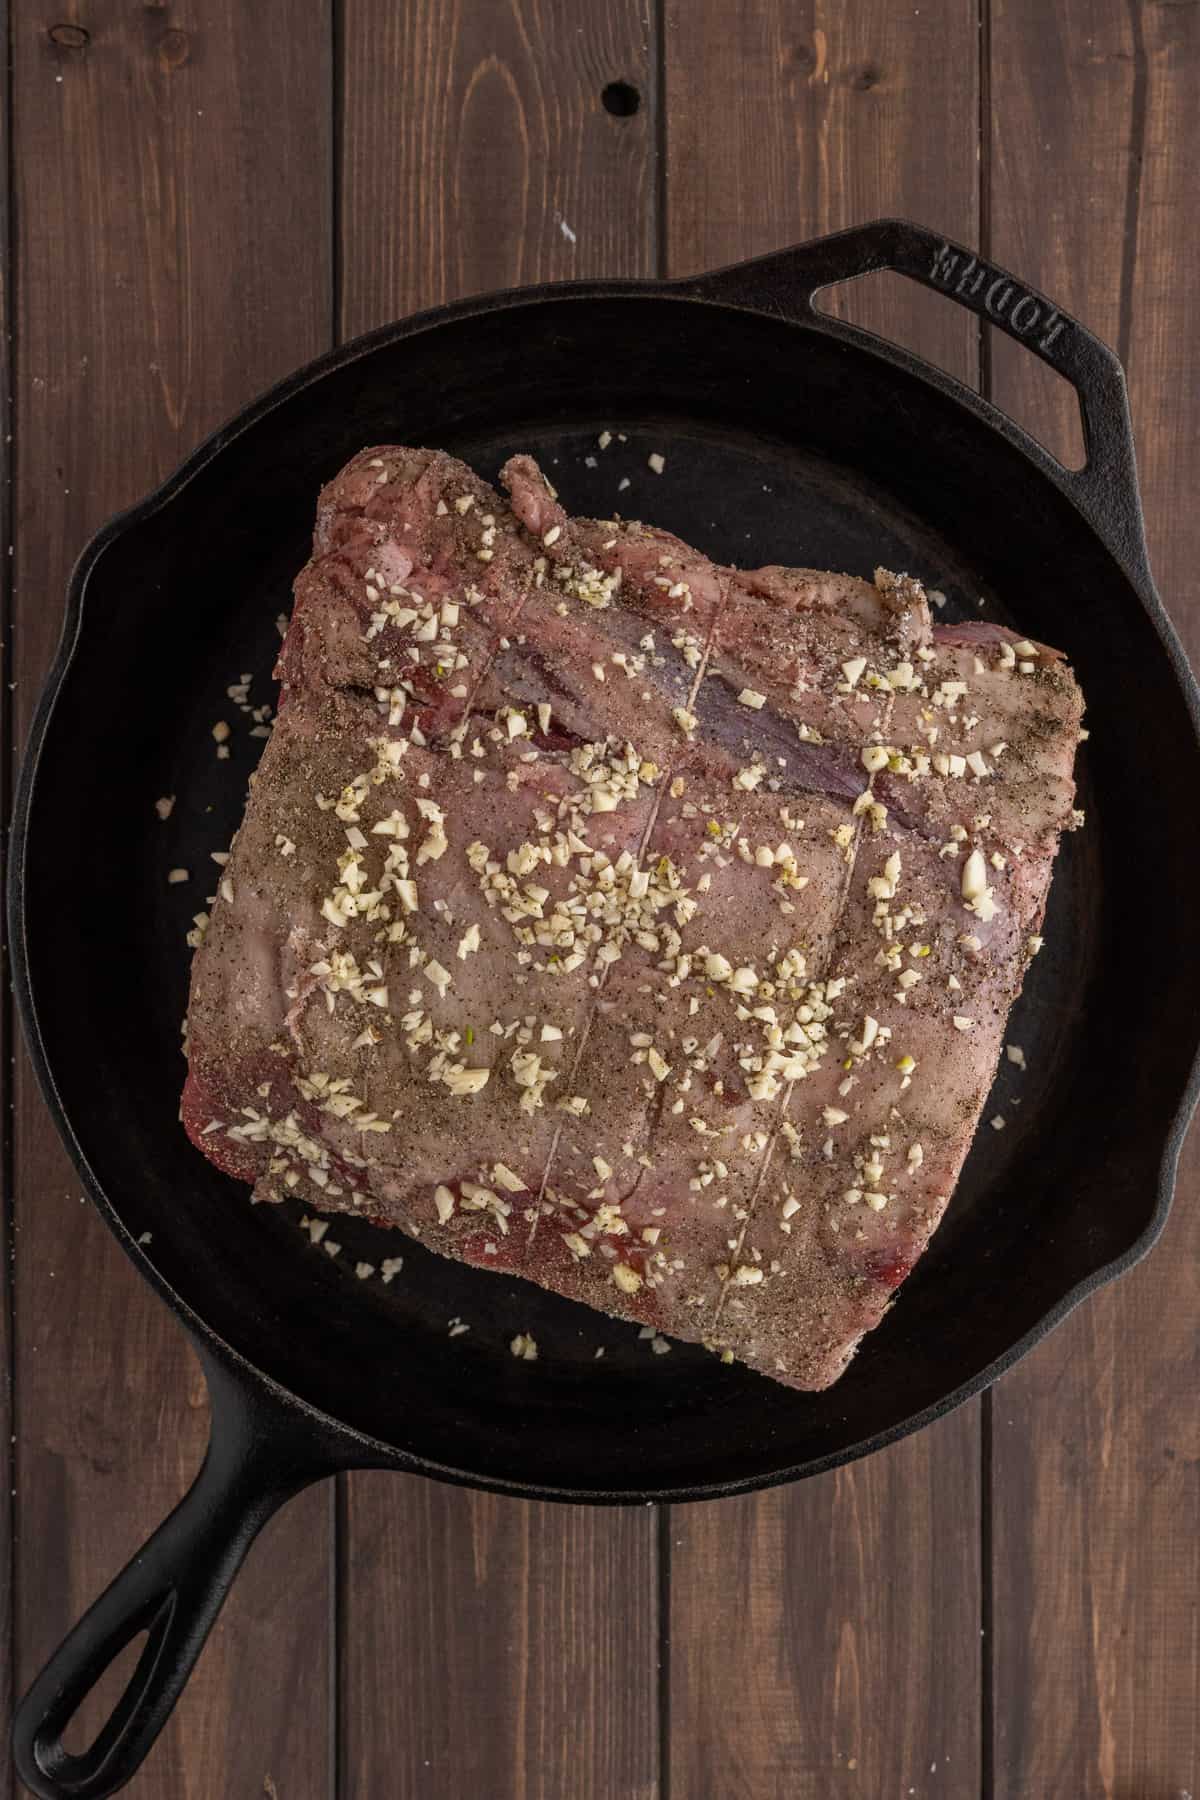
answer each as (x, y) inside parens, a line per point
(639, 926)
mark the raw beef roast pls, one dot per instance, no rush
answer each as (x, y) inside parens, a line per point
(640, 926)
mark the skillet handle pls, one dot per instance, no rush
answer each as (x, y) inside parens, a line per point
(173, 1588)
(1106, 488)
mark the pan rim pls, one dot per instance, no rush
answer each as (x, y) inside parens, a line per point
(355, 1448)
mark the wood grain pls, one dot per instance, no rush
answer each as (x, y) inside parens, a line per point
(491, 1647)
(845, 114)
(172, 258)
(825, 1639)
(497, 1647)
(1096, 1461)
(476, 152)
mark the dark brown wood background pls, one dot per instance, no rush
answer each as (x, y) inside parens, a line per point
(201, 194)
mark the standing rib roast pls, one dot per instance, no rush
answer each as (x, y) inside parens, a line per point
(640, 926)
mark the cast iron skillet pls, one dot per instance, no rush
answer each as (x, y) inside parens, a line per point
(790, 437)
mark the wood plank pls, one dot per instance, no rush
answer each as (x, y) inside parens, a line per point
(491, 1647)
(477, 152)
(846, 114)
(495, 1646)
(853, 1661)
(185, 169)
(1096, 1471)
(816, 1632)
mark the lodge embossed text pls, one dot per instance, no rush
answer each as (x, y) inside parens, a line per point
(997, 295)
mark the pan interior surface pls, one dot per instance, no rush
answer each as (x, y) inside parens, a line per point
(781, 444)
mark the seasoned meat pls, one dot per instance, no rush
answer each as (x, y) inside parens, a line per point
(639, 926)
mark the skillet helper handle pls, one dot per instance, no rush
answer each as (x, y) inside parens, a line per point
(173, 1589)
(1106, 488)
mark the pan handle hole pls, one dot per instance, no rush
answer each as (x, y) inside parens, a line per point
(100, 1702)
(937, 329)
(621, 99)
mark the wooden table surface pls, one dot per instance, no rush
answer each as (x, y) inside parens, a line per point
(201, 195)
